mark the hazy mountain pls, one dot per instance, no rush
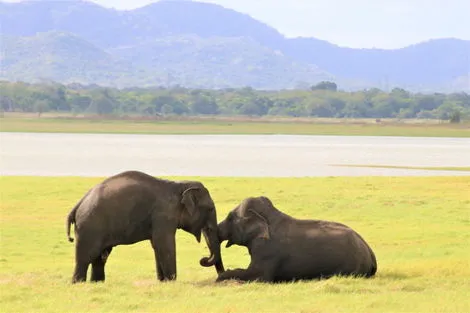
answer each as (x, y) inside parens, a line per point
(435, 64)
(204, 45)
(61, 57)
(184, 60)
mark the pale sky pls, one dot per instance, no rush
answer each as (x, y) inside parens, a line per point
(352, 23)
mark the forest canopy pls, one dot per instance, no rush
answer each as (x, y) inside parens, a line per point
(322, 100)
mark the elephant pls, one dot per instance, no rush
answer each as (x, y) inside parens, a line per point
(133, 206)
(284, 249)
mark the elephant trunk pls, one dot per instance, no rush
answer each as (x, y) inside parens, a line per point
(212, 239)
(223, 233)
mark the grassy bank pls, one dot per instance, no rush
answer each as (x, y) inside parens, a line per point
(219, 125)
(419, 229)
(425, 168)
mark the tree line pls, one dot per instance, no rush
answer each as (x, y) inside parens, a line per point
(321, 100)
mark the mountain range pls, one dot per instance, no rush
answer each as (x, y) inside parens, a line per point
(201, 45)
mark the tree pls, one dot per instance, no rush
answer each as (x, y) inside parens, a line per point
(383, 106)
(455, 117)
(447, 111)
(61, 97)
(322, 102)
(167, 109)
(321, 109)
(6, 104)
(425, 114)
(429, 102)
(461, 99)
(400, 93)
(356, 106)
(102, 105)
(41, 106)
(159, 101)
(325, 85)
(255, 106)
(79, 103)
(406, 113)
(251, 108)
(203, 105)
(287, 107)
(147, 110)
(176, 105)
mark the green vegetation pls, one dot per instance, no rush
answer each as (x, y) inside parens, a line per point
(219, 125)
(322, 100)
(430, 168)
(418, 227)
(64, 56)
(193, 61)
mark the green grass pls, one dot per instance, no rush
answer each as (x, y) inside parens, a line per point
(429, 168)
(231, 126)
(419, 229)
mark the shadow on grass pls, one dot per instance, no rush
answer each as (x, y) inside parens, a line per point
(396, 276)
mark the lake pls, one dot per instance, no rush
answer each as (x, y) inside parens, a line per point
(44, 154)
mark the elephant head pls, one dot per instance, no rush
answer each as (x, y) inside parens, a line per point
(199, 215)
(247, 222)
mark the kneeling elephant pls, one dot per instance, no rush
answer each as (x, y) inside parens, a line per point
(283, 248)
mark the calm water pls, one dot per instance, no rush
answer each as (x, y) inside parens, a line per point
(225, 155)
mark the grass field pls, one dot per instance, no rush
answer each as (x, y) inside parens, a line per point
(425, 168)
(419, 229)
(302, 126)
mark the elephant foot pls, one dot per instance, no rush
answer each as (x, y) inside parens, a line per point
(167, 279)
(79, 274)
(77, 281)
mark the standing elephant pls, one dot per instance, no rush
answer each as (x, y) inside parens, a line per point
(283, 248)
(133, 206)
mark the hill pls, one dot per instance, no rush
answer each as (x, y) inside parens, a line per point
(59, 56)
(185, 60)
(435, 64)
(219, 62)
(204, 45)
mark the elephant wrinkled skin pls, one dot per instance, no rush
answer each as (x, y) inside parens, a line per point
(132, 206)
(283, 248)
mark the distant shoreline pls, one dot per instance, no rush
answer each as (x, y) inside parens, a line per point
(68, 123)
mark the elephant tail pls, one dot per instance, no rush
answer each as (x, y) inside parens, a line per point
(71, 216)
(70, 221)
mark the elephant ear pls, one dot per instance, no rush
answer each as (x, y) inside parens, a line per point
(267, 201)
(264, 224)
(189, 200)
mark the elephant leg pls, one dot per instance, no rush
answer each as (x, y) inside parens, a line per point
(159, 267)
(240, 274)
(79, 273)
(159, 271)
(85, 253)
(263, 272)
(81, 262)
(97, 266)
(164, 246)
